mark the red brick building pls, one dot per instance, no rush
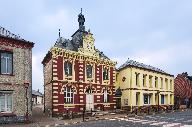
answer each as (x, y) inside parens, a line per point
(77, 75)
(183, 90)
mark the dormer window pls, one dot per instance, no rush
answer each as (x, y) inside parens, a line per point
(68, 68)
(89, 70)
(6, 62)
(105, 74)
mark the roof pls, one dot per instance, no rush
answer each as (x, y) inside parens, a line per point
(141, 65)
(73, 46)
(37, 93)
(190, 78)
(7, 34)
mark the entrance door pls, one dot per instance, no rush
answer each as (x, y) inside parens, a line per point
(89, 101)
(118, 103)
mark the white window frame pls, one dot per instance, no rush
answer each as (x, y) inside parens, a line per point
(6, 62)
(91, 71)
(67, 74)
(108, 73)
(164, 99)
(149, 97)
(5, 103)
(67, 99)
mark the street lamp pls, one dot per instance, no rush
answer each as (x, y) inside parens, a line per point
(158, 100)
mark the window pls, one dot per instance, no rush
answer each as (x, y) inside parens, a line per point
(68, 95)
(68, 68)
(5, 101)
(144, 80)
(171, 99)
(137, 79)
(6, 63)
(89, 71)
(162, 99)
(166, 83)
(171, 85)
(161, 83)
(137, 98)
(146, 98)
(150, 81)
(105, 74)
(105, 96)
(156, 82)
(125, 101)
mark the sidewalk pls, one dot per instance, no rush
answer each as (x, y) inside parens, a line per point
(39, 119)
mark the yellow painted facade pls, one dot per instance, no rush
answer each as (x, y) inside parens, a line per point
(135, 83)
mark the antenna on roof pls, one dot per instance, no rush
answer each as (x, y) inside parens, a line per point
(59, 32)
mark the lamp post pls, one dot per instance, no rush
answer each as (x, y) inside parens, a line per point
(158, 100)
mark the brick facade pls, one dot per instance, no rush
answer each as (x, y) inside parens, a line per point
(80, 52)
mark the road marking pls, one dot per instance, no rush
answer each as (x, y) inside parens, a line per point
(171, 124)
(159, 123)
(188, 121)
(148, 122)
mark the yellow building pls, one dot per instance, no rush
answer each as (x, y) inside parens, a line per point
(143, 85)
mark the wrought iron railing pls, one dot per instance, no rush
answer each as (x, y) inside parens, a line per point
(7, 33)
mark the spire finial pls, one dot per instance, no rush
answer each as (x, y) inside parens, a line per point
(59, 32)
(81, 10)
(81, 20)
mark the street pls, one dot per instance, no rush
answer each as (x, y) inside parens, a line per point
(175, 119)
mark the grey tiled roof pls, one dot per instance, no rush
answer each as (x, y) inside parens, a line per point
(70, 45)
(140, 65)
(190, 78)
(37, 93)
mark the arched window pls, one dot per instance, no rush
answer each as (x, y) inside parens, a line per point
(68, 95)
(89, 70)
(105, 74)
(105, 96)
(68, 68)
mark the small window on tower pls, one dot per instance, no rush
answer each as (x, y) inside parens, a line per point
(105, 74)
(89, 71)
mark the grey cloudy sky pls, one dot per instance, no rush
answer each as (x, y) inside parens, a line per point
(155, 32)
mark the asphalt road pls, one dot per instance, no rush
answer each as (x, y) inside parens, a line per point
(175, 119)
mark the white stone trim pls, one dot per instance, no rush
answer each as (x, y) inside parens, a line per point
(55, 97)
(55, 101)
(55, 110)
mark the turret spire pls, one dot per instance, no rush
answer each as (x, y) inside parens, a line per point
(59, 33)
(81, 21)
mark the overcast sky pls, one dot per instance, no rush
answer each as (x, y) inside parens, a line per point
(155, 32)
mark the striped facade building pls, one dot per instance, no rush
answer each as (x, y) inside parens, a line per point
(183, 90)
(78, 76)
